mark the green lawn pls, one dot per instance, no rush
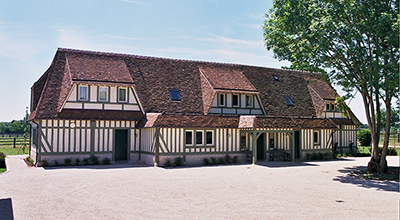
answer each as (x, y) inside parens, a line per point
(14, 151)
(2, 170)
(393, 140)
(365, 150)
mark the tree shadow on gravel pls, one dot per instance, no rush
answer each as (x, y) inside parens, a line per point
(351, 177)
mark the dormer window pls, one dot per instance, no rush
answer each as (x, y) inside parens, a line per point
(288, 100)
(175, 96)
(276, 79)
(103, 93)
(83, 93)
(221, 101)
(122, 94)
(249, 101)
(235, 100)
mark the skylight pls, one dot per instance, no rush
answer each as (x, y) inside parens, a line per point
(288, 100)
(276, 78)
(174, 93)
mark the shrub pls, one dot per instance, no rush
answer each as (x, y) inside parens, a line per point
(213, 160)
(364, 137)
(178, 161)
(85, 160)
(56, 163)
(29, 161)
(2, 160)
(45, 163)
(106, 161)
(206, 161)
(94, 160)
(221, 160)
(228, 158)
(77, 161)
(167, 163)
(67, 161)
(235, 159)
(391, 151)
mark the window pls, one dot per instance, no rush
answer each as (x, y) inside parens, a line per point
(209, 138)
(235, 100)
(122, 94)
(83, 91)
(221, 101)
(189, 137)
(199, 137)
(276, 78)
(288, 100)
(249, 101)
(243, 141)
(103, 93)
(34, 136)
(174, 93)
(328, 107)
(316, 137)
(333, 107)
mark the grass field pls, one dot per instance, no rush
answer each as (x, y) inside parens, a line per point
(365, 150)
(14, 151)
(393, 139)
(7, 145)
(2, 170)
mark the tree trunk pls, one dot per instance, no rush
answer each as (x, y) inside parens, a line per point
(383, 167)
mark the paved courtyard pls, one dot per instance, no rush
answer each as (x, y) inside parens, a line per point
(273, 190)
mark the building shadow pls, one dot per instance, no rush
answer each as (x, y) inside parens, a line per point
(6, 209)
(351, 178)
(279, 164)
(98, 167)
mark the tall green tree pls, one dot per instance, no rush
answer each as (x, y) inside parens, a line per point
(355, 41)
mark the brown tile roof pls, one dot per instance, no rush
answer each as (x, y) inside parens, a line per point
(100, 115)
(193, 121)
(225, 77)
(97, 67)
(315, 123)
(276, 122)
(153, 77)
(272, 92)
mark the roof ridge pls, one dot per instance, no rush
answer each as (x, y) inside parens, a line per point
(140, 56)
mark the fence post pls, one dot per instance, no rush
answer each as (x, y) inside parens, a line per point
(14, 142)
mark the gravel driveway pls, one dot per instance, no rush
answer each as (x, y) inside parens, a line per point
(273, 190)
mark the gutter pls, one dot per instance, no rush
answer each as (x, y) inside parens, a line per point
(37, 138)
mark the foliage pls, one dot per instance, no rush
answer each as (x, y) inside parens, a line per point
(221, 160)
(391, 151)
(356, 40)
(364, 137)
(77, 161)
(67, 161)
(213, 160)
(167, 163)
(394, 119)
(2, 160)
(318, 156)
(206, 161)
(94, 160)
(85, 161)
(45, 163)
(178, 161)
(235, 159)
(228, 159)
(29, 161)
(106, 161)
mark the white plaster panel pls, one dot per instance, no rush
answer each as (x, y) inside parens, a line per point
(228, 111)
(243, 111)
(215, 111)
(256, 112)
(112, 106)
(215, 101)
(113, 94)
(93, 93)
(131, 107)
(72, 96)
(93, 106)
(131, 96)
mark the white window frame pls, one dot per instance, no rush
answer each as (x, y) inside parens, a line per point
(238, 100)
(202, 138)
(223, 99)
(318, 133)
(126, 94)
(107, 90)
(212, 137)
(86, 93)
(251, 98)
(191, 131)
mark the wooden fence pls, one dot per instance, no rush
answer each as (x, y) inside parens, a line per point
(13, 141)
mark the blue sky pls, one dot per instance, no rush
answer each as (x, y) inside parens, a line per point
(210, 30)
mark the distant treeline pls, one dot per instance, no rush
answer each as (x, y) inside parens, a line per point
(15, 126)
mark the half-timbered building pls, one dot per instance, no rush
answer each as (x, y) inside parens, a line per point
(149, 110)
